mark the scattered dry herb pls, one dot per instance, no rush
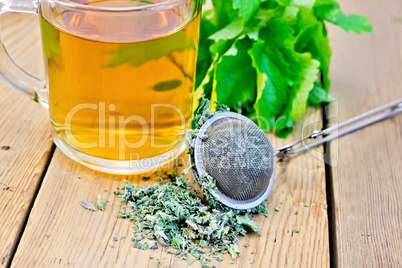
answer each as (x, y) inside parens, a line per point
(88, 206)
(170, 215)
(101, 203)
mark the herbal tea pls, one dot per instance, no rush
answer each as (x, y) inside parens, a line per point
(120, 91)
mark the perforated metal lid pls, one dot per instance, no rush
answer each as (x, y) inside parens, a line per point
(239, 156)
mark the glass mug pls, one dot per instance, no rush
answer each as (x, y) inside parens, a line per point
(119, 78)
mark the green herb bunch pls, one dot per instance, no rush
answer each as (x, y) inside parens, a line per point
(269, 59)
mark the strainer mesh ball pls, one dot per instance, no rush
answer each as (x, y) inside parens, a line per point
(239, 156)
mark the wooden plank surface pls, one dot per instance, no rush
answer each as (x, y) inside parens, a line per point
(366, 73)
(60, 232)
(25, 141)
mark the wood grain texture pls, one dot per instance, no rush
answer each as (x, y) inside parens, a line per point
(25, 142)
(62, 233)
(366, 72)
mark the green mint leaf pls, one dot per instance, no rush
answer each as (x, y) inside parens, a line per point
(312, 38)
(284, 126)
(330, 10)
(246, 8)
(204, 59)
(309, 68)
(303, 3)
(230, 31)
(285, 77)
(273, 59)
(223, 13)
(234, 71)
(271, 85)
(318, 95)
(358, 23)
(219, 48)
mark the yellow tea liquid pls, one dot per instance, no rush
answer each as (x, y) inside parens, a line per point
(120, 91)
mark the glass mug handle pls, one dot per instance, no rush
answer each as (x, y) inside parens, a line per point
(10, 72)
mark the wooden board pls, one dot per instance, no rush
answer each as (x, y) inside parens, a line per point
(25, 141)
(366, 72)
(60, 232)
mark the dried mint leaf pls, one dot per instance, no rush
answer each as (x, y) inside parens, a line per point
(245, 220)
(234, 250)
(88, 206)
(101, 203)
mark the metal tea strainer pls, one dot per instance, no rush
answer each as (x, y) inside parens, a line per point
(240, 157)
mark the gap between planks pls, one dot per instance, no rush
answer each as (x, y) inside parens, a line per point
(25, 140)
(25, 219)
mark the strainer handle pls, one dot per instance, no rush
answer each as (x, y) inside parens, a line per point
(396, 107)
